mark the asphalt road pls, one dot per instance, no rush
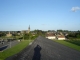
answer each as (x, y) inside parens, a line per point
(45, 49)
(8, 44)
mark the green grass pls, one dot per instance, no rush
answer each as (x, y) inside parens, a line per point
(77, 42)
(71, 45)
(14, 49)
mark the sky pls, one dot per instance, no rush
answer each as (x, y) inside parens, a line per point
(17, 15)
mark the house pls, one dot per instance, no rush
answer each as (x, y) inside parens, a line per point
(51, 36)
(61, 37)
(9, 34)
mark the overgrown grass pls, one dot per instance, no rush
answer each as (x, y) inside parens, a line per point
(14, 49)
(77, 42)
(71, 45)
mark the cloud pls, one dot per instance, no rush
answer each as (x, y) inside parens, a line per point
(74, 9)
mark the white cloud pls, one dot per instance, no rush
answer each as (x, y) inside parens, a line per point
(74, 9)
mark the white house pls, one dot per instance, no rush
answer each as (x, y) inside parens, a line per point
(9, 34)
(50, 36)
(61, 37)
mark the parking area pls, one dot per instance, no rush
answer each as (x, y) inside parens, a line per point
(8, 42)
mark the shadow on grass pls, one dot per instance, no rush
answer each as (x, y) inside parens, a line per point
(37, 54)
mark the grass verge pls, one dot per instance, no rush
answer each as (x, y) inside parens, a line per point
(15, 49)
(71, 45)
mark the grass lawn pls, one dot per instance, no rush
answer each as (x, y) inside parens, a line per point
(76, 42)
(15, 49)
(71, 45)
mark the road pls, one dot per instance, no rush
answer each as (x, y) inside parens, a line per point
(8, 44)
(45, 49)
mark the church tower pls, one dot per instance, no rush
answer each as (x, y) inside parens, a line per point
(29, 29)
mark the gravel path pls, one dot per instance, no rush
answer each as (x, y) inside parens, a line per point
(45, 49)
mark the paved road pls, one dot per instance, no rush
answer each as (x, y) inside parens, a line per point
(45, 49)
(8, 44)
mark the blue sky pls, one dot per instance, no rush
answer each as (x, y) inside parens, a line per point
(39, 14)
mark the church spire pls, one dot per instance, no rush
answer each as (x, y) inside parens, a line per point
(29, 29)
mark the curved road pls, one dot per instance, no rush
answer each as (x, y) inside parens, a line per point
(45, 49)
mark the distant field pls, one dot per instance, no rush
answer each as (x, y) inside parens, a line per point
(14, 49)
(69, 44)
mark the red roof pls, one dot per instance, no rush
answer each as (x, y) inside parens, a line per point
(50, 35)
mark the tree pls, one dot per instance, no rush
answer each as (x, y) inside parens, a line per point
(26, 36)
